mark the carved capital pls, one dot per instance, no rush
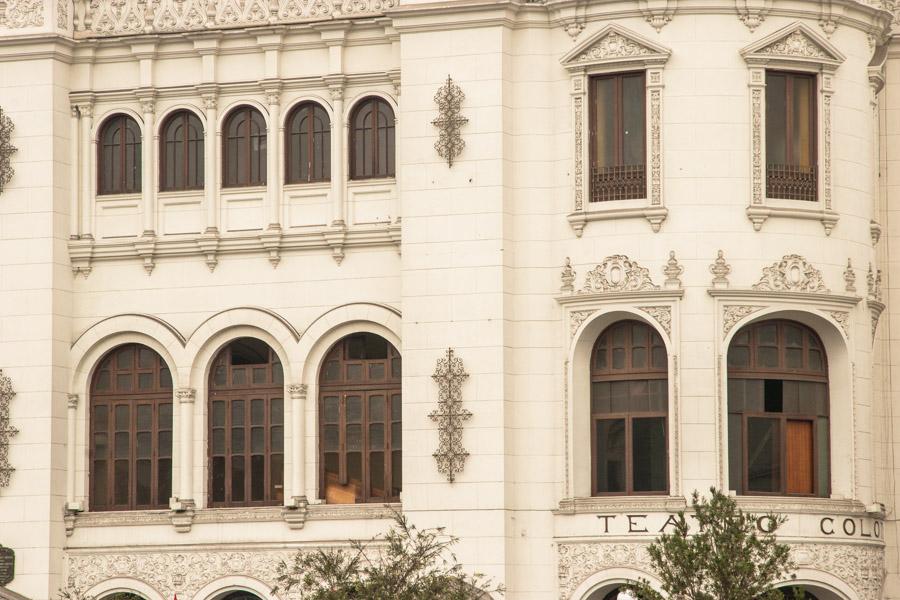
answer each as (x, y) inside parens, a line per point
(298, 391)
(72, 401)
(185, 395)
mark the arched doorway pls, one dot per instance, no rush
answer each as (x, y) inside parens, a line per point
(360, 439)
(246, 426)
(240, 595)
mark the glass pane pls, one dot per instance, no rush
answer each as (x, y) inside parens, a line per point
(122, 420)
(257, 478)
(793, 358)
(610, 459)
(639, 358)
(124, 382)
(773, 390)
(376, 371)
(618, 358)
(218, 414)
(277, 435)
(376, 436)
(396, 407)
(218, 479)
(735, 453)
(658, 395)
(776, 119)
(99, 478)
(354, 409)
(633, 136)
(146, 358)
(125, 358)
(396, 436)
(649, 454)
(101, 421)
(376, 408)
(354, 437)
(739, 357)
(376, 474)
(143, 445)
(276, 411)
(801, 135)
(144, 417)
(237, 440)
(763, 455)
(600, 397)
(396, 473)
(767, 357)
(823, 453)
(619, 400)
(239, 376)
(354, 470)
(604, 103)
(164, 481)
(237, 412)
(768, 334)
(395, 368)
(257, 412)
(330, 438)
(257, 440)
(277, 374)
(815, 361)
(638, 396)
(122, 482)
(237, 478)
(259, 375)
(276, 478)
(354, 372)
(101, 383)
(330, 412)
(165, 416)
(101, 445)
(218, 441)
(332, 371)
(143, 480)
(122, 444)
(219, 376)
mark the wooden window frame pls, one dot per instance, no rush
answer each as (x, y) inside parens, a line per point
(390, 388)
(245, 149)
(248, 392)
(123, 121)
(375, 104)
(110, 399)
(627, 182)
(628, 373)
(186, 117)
(789, 78)
(296, 113)
(782, 373)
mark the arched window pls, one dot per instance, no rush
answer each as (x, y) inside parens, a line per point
(359, 421)
(307, 151)
(244, 154)
(181, 153)
(131, 431)
(778, 411)
(119, 163)
(372, 139)
(246, 426)
(629, 404)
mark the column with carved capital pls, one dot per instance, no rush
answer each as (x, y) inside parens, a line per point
(273, 164)
(89, 158)
(339, 131)
(297, 394)
(71, 451)
(75, 203)
(148, 151)
(210, 177)
(185, 399)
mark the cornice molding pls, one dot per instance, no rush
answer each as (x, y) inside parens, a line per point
(767, 297)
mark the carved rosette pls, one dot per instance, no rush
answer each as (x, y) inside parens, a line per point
(731, 314)
(6, 429)
(618, 273)
(660, 314)
(791, 274)
(450, 374)
(577, 562)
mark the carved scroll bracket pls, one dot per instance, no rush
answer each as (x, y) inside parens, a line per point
(450, 374)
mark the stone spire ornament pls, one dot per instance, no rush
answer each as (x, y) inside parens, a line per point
(849, 278)
(720, 270)
(673, 272)
(567, 277)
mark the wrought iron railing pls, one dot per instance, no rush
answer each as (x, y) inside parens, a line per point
(791, 182)
(622, 182)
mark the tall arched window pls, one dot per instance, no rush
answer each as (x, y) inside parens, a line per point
(131, 431)
(181, 153)
(359, 421)
(307, 151)
(246, 426)
(372, 139)
(119, 163)
(778, 411)
(244, 154)
(629, 404)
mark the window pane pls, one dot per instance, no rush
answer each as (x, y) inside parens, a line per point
(122, 482)
(763, 455)
(776, 119)
(237, 478)
(633, 119)
(604, 103)
(164, 481)
(823, 452)
(376, 474)
(396, 474)
(801, 134)
(143, 481)
(257, 478)
(649, 454)
(735, 453)
(276, 478)
(610, 464)
(218, 479)
(257, 412)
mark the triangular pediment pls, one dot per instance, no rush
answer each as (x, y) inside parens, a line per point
(614, 43)
(795, 42)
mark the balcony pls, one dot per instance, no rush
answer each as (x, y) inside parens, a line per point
(106, 18)
(791, 182)
(622, 182)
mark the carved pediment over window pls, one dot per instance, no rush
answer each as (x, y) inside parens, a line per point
(795, 42)
(792, 274)
(618, 273)
(614, 43)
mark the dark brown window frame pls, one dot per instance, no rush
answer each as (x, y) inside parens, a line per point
(296, 113)
(782, 373)
(620, 181)
(244, 176)
(390, 388)
(111, 398)
(789, 181)
(186, 117)
(629, 373)
(248, 392)
(379, 171)
(124, 121)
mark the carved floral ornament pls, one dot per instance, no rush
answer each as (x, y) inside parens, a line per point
(792, 274)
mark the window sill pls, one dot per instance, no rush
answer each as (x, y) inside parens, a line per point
(792, 209)
(807, 504)
(312, 185)
(618, 209)
(118, 197)
(620, 504)
(373, 181)
(172, 194)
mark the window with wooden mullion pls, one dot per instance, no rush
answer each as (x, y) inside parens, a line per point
(181, 153)
(308, 145)
(244, 156)
(119, 156)
(618, 136)
(791, 170)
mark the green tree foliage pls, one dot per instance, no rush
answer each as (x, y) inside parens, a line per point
(406, 563)
(730, 555)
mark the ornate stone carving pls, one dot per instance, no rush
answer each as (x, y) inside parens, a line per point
(791, 274)
(576, 318)
(826, 156)
(568, 277)
(731, 314)
(24, 13)
(62, 14)
(843, 319)
(756, 108)
(6, 149)
(578, 561)
(449, 99)
(720, 270)
(578, 107)
(661, 314)
(618, 273)
(185, 395)
(861, 567)
(612, 45)
(298, 391)
(6, 429)
(673, 272)
(656, 149)
(72, 401)
(796, 44)
(850, 278)
(450, 374)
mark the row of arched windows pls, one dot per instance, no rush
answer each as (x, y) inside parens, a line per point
(307, 148)
(360, 441)
(778, 419)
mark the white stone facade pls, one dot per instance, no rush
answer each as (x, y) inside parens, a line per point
(471, 257)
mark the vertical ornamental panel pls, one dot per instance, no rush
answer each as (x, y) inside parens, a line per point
(450, 456)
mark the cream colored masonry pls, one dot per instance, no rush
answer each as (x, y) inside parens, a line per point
(501, 257)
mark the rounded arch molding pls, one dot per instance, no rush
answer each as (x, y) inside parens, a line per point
(123, 584)
(603, 580)
(218, 589)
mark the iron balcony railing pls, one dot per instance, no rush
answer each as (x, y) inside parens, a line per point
(791, 182)
(621, 182)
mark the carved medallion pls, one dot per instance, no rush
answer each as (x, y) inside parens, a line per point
(791, 274)
(618, 273)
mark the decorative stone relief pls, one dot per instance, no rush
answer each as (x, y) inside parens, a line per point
(6, 149)
(62, 14)
(24, 13)
(861, 567)
(849, 278)
(731, 314)
(843, 319)
(613, 45)
(576, 318)
(720, 270)
(567, 277)
(661, 314)
(449, 99)
(618, 273)
(673, 272)
(578, 108)
(792, 274)
(656, 151)
(6, 429)
(797, 44)
(756, 108)
(450, 374)
(577, 562)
